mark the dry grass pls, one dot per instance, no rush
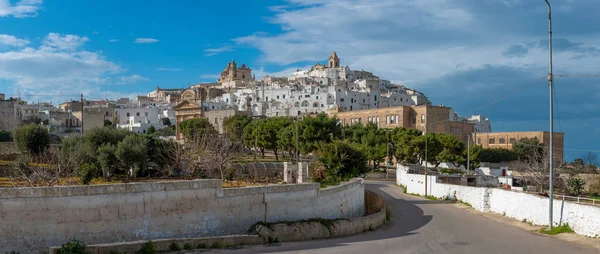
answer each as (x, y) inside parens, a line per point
(373, 202)
(74, 181)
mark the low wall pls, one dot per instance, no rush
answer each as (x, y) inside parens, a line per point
(521, 206)
(302, 231)
(165, 244)
(33, 219)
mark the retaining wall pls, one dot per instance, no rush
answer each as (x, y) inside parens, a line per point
(583, 219)
(32, 219)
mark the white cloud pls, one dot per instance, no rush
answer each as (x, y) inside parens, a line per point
(60, 64)
(21, 9)
(12, 41)
(210, 76)
(113, 40)
(68, 42)
(145, 40)
(133, 79)
(216, 51)
(168, 69)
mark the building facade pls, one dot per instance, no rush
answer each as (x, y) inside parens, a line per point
(508, 139)
(427, 118)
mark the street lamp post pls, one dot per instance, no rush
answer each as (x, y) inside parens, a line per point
(550, 80)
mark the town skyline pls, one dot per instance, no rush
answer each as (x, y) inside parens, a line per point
(454, 55)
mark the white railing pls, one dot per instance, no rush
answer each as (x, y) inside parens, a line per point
(581, 200)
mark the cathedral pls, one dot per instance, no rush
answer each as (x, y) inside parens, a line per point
(232, 73)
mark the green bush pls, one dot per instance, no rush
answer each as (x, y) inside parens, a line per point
(575, 185)
(187, 246)
(338, 161)
(4, 136)
(72, 247)
(202, 246)
(147, 248)
(564, 228)
(174, 247)
(216, 245)
(87, 173)
(32, 138)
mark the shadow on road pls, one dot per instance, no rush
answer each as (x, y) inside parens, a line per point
(406, 217)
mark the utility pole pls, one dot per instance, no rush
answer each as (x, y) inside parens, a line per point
(82, 111)
(387, 159)
(550, 80)
(297, 132)
(426, 141)
(468, 152)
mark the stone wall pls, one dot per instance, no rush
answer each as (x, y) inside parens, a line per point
(32, 219)
(521, 206)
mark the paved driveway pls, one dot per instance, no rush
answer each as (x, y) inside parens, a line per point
(425, 226)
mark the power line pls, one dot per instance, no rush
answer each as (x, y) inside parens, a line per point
(508, 95)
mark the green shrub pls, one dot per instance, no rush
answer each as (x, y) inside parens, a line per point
(202, 246)
(388, 213)
(216, 245)
(4, 136)
(147, 248)
(575, 185)
(87, 173)
(187, 246)
(72, 247)
(338, 161)
(564, 228)
(174, 247)
(32, 138)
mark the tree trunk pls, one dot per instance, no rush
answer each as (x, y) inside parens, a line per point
(262, 151)
(276, 154)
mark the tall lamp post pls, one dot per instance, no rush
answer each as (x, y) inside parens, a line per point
(550, 79)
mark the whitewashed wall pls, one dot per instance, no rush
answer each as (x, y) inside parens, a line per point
(583, 219)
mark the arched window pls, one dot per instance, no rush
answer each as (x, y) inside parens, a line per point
(315, 105)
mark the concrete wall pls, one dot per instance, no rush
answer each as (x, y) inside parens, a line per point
(32, 219)
(521, 206)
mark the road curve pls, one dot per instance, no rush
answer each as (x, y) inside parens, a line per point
(425, 226)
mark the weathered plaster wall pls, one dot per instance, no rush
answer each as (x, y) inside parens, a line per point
(32, 219)
(583, 219)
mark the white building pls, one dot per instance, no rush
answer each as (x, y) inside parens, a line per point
(317, 90)
(139, 119)
(482, 123)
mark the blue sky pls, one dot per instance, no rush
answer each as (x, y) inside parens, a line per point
(460, 53)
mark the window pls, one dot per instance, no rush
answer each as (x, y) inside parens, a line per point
(278, 97)
(106, 113)
(284, 96)
(351, 100)
(502, 141)
(363, 100)
(492, 141)
(317, 97)
(257, 98)
(307, 96)
(127, 114)
(375, 98)
(342, 99)
(322, 105)
(227, 100)
(267, 98)
(137, 114)
(513, 140)
(422, 118)
(146, 113)
(479, 141)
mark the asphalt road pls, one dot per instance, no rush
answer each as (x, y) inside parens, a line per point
(425, 226)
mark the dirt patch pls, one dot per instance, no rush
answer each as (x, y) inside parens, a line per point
(373, 202)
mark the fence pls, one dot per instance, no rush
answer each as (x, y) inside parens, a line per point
(270, 172)
(580, 200)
